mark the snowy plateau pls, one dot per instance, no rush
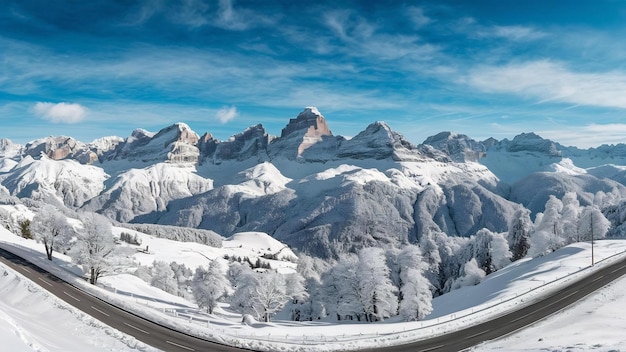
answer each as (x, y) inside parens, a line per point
(191, 199)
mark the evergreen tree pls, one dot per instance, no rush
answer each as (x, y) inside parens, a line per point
(519, 234)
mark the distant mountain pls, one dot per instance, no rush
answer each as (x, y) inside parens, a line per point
(317, 192)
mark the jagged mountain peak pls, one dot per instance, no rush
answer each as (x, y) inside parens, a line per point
(534, 143)
(251, 142)
(458, 147)
(176, 143)
(310, 121)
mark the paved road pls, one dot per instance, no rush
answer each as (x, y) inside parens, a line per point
(170, 340)
(146, 331)
(516, 320)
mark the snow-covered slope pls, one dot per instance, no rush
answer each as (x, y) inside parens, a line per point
(58, 181)
(143, 191)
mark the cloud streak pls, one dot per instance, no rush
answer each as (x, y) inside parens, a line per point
(68, 113)
(546, 81)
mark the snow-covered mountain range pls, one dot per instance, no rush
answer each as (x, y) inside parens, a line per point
(315, 191)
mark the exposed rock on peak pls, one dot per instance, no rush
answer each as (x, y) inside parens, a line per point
(308, 129)
(458, 147)
(534, 143)
(59, 148)
(310, 120)
(379, 141)
(176, 143)
(251, 142)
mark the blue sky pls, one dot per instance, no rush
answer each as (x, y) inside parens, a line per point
(95, 68)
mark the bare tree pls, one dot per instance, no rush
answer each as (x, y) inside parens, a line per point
(51, 228)
(94, 245)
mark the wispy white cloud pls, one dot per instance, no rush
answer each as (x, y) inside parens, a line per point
(239, 19)
(418, 17)
(60, 112)
(546, 80)
(226, 114)
(514, 33)
(587, 136)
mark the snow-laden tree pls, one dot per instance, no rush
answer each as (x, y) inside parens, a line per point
(430, 253)
(296, 291)
(520, 229)
(94, 246)
(548, 235)
(310, 269)
(416, 296)
(243, 281)
(163, 277)
(592, 224)
(376, 291)
(183, 277)
(143, 272)
(50, 227)
(570, 216)
(341, 291)
(491, 250)
(472, 275)
(415, 289)
(210, 285)
(270, 294)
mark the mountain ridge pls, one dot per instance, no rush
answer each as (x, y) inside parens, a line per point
(318, 192)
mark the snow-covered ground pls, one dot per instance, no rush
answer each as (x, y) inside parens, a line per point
(522, 282)
(31, 319)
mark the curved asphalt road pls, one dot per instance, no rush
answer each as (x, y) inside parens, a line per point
(144, 330)
(169, 340)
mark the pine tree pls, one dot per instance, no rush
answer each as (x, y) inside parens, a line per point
(519, 234)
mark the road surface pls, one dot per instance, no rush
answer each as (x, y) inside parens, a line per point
(169, 340)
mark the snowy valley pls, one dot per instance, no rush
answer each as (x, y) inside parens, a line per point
(199, 226)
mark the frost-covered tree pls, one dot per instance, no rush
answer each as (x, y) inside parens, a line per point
(415, 289)
(472, 275)
(143, 272)
(210, 285)
(520, 229)
(163, 277)
(341, 289)
(243, 281)
(183, 276)
(592, 224)
(311, 268)
(296, 291)
(270, 294)
(548, 235)
(490, 250)
(569, 217)
(430, 254)
(416, 296)
(50, 227)
(376, 291)
(94, 246)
